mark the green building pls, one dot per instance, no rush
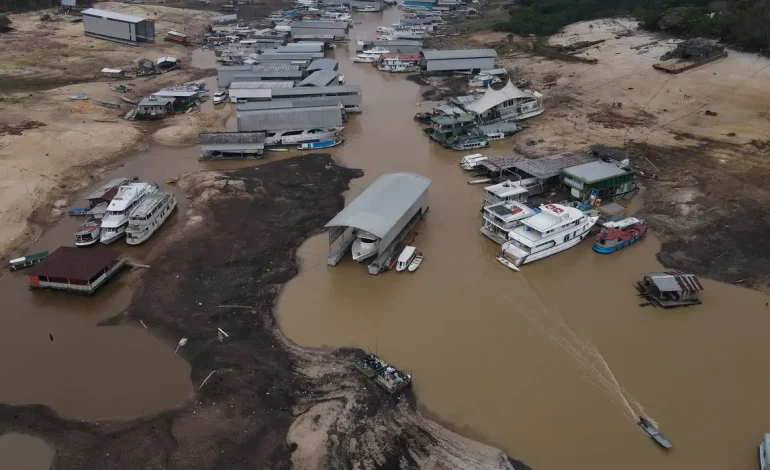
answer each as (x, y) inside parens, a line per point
(606, 178)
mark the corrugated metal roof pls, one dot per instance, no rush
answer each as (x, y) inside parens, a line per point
(112, 15)
(313, 102)
(253, 93)
(321, 90)
(275, 68)
(383, 203)
(594, 171)
(432, 54)
(273, 54)
(459, 64)
(176, 93)
(317, 25)
(313, 36)
(211, 138)
(69, 262)
(254, 76)
(289, 119)
(319, 78)
(550, 166)
(323, 64)
(236, 84)
(156, 101)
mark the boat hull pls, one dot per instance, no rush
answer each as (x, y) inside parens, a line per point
(606, 250)
(107, 239)
(89, 242)
(154, 228)
(523, 257)
(362, 251)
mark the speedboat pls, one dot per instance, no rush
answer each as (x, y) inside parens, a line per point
(415, 264)
(324, 144)
(365, 245)
(405, 258)
(652, 430)
(366, 58)
(555, 229)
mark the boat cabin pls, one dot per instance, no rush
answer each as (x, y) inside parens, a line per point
(509, 191)
(670, 289)
(502, 217)
(405, 258)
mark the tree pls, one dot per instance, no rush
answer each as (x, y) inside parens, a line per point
(5, 24)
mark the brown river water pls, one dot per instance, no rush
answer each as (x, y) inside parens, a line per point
(548, 364)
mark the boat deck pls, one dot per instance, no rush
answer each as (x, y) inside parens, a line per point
(148, 204)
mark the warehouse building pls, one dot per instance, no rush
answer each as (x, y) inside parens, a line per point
(325, 38)
(288, 56)
(340, 30)
(249, 95)
(598, 178)
(323, 64)
(259, 84)
(319, 78)
(227, 145)
(395, 46)
(386, 211)
(259, 72)
(348, 95)
(473, 60)
(117, 27)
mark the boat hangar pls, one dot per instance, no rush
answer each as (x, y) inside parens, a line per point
(388, 209)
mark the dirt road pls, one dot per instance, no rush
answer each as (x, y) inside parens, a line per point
(260, 402)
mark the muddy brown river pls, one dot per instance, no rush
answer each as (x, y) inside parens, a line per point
(549, 364)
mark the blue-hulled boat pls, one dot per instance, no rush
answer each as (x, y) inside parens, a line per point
(618, 235)
(323, 144)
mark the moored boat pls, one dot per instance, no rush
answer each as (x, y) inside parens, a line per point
(89, 232)
(365, 58)
(27, 261)
(618, 235)
(324, 144)
(764, 453)
(495, 136)
(115, 222)
(652, 430)
(405, 258)
(472, 143)
(148, 216)
(365, 245)
(555, 229)
(416, 262)
(470, 162)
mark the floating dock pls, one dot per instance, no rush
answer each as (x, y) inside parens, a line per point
(670, 289)
(75, 270)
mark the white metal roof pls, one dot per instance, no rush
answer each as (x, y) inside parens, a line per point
(175, 93)
(431, 54)
(113, 15)
(166, 59)
(107, 70)
(492, 98)
(254, 93)
(383, 203)
(594, 171)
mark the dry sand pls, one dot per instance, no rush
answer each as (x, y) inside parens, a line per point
(78, 138)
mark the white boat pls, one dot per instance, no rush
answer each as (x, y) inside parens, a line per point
(220, 96)
(369, 8)
(115, 222)
(299, 137)
(556, 228)
(470, 162)
(88, 233)
(365, 245)
(481, 80)
(148, 216)
(405, 258)
(385, 29)
(764, 453)
(416, 262)
(365, 58)
(502, 217)
(377, 50)
(495, 136)
(471, 144)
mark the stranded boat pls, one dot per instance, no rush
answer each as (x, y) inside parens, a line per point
(618, 235)
(652, 431)
(383, 374)
(556, 228)
(114, 224)
(148, 216)
(365, 245)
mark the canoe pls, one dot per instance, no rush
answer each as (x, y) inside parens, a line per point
(324, 144)
(652, 431)
(75, 211)
(415, 264)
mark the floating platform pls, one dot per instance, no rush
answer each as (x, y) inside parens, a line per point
(683, 65)
(670, 289)
(75, 270)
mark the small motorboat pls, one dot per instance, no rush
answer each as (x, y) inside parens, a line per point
(278, 149)
(405, 258)
(416, 262)
(323, 144)
(470, 162)
(652, 430)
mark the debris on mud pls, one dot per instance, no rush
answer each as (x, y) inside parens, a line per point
(260, 402)
(612, 118)
(18, 129)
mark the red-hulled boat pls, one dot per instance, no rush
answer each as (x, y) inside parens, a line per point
(620, 234)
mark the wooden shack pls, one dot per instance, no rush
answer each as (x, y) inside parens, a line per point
(670, 289)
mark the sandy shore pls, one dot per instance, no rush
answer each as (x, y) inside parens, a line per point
(51, 146)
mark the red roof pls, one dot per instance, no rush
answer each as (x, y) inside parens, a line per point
(69, 262)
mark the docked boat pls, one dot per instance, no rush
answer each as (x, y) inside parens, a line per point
(405, 258)
(297, 137)
(764, 453)
(148, 216)
(495, 136)
(27, 261)
(416, 262)
(365, 245)
(618, 235)
(555, 229)
(377, 50)
(365, 58)
(652, 430)
(115, 222)
(481, 80)
(323, 144)
(502, 217)
(470, 162)
(369, 8)
(89, 232)
(471, 144)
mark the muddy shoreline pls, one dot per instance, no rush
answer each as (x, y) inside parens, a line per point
(268, 403)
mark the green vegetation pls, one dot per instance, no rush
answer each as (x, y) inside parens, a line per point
(742, 23)
(5, 23)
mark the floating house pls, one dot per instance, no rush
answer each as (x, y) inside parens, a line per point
(399, 62)
(670, 289)
(338, 29)
(474, 60)
(598, 178)
(155, 107)
(259, 72)
(506, 104)
(388, 210)
(230, 145)
(420, 4)
(348, 95)
(76, 270)
(118, 27)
